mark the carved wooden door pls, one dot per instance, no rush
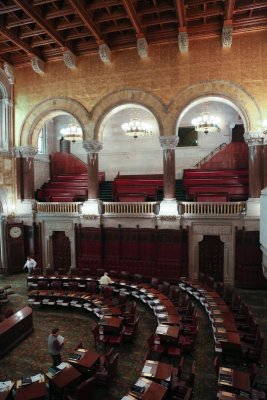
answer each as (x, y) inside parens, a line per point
(61, 251)
(211, 257)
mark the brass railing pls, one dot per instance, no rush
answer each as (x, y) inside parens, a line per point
(207, 208)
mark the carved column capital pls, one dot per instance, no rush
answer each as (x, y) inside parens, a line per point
(25, 151)
(104, 53)
(168, 142)
(142, 47)
(10, 73)
(37, 65)
(183, 42)
(227, 36)
(69, 59)
(92, 146)
(255, 138)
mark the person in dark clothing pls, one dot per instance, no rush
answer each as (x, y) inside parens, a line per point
(55, 344)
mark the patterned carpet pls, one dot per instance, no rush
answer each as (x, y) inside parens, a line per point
(31, 355)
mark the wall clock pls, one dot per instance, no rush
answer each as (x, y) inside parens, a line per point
(15, 232)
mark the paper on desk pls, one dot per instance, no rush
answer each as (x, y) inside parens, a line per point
(147, 369)
(62, 365)
(161, 329)
(5, 385)
(36, 377)
(140, 383)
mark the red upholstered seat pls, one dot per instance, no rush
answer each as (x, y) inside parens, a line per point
(83, 391)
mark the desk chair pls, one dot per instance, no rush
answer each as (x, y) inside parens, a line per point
(106, 373)
(83, 391)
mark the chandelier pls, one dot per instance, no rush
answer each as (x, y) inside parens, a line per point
(206, 122)
(135, 128)
(72, 132)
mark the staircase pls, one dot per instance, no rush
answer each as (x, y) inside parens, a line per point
(105, 191)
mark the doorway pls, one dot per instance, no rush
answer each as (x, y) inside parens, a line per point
(211, 257)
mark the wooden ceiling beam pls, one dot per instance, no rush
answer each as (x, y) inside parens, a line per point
(19, 22)
(18, 42)
(39, 20)
(130, 10)
(79, 8)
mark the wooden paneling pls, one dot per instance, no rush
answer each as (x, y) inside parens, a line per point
(248, 259)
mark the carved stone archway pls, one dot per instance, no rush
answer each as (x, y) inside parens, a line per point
(49, 228)
(126, 96)
(48, 109)
(225, 232)
(226, 90)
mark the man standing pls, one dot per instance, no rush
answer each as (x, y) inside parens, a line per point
(104, 281)
(30, 264)
(55, 344)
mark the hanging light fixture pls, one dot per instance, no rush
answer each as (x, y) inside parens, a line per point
(206, 122)
(72, 131)
(135, 128)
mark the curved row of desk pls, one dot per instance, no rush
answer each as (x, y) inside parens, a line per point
(232, 383)
(156, 376)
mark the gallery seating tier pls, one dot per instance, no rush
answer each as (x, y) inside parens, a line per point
(223, 184)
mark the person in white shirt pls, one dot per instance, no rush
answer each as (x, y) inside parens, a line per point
(104, 281)
(30, 264)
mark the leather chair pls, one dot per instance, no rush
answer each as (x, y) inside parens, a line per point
(105, 374)
(153, 347)
(91, 287)
(83, 391)
(131, 329)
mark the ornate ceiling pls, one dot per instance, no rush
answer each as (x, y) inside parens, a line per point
(48, 29)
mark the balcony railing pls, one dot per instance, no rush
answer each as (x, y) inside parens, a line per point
(58, 208)
(140, 208)
(148, 209)
(207, 208)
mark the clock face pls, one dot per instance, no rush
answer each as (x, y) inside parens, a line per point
(15, 232)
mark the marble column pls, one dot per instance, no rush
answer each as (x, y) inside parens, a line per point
(256, 145)
(25, 177)
(169, 204)
(92, 205)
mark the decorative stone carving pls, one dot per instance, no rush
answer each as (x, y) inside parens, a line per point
(142, 47)
(69, 59)
(227, 37)
(255, 138)
(64, 226)
(212, 229)
(104, 53)
(183, 42)
(37, 65)
(25, 152)
(168, 142)
(9, 70)
(92, 146)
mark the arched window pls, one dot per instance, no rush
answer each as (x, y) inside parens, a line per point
(6, 114)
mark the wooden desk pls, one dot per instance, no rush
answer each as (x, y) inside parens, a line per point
(33, 391)
(63, 379)
(170, 320)
(88, 361)
(168, 333)
(153, 390)
(111, 324)
(157, 371)
(230, 396)
(14, 329)
(7, 392)
(233, 380)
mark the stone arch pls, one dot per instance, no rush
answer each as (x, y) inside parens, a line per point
(120, 97)
(224, 89)
(49, 108)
